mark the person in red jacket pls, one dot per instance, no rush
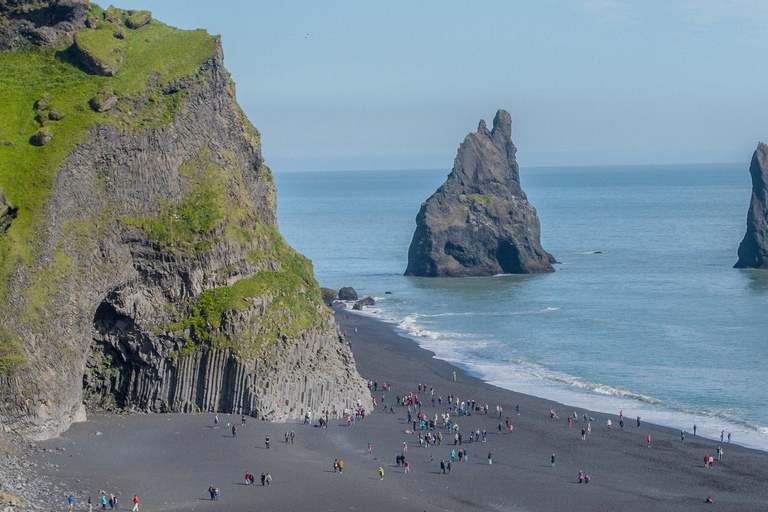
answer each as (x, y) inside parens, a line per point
(135, 503)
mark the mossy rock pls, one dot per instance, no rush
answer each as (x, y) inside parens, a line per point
(42, 118)
(113, 14)
(41, 137)
(328, 295)
(118, 34)
(42, 102)
(103, 101)
(138, 19)
(56, 113)
(98, 51)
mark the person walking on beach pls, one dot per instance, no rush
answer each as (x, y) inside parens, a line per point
(71, 501)
(90, 504)
(407, 467)
(369, 448)
(719, 453)
(682, 435)
(103, 502)
(583, 434)
(609, 423)
(215, 420)
(490, 458)
(454, 376)
(638, 422)
(341, 466)
(649, 440)
(268, 479)
(706, 461)
(722, 435)
(729, 438)
(234, 430)
(621, 424)
(381, 473)
(517, 408)
(135, 503)
(694, 430)
(553, 460)
(266, 442)
(293, 436)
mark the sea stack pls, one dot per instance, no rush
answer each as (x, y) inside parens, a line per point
(753, 251)
(479, 222)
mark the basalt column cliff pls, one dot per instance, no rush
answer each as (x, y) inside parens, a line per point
(140, 261)
(753, 251)
(479, 222)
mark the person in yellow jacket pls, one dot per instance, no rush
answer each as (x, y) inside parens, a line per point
(381, 473)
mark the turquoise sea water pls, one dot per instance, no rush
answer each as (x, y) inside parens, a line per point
(658, 324)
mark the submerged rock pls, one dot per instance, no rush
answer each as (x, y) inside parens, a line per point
(479, 222)
(753, 251)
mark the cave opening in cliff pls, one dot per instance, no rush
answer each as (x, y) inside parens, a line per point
(508, 257)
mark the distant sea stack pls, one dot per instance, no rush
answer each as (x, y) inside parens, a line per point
(753, 251)
(479, 222)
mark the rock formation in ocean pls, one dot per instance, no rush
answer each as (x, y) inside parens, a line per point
(479, 222)
(753, 251)
(140, 262)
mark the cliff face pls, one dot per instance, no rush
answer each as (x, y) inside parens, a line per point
(479, 222)
(753, 251)
(141, 262)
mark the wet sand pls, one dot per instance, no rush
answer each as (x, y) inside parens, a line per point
(170, 460)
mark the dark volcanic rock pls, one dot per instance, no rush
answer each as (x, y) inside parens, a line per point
(347, 293)
(753, 251)
(367, 301)
(479, 222)
(40, 22)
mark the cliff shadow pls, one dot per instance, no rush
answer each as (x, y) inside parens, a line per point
(503, 283)
(757, 280)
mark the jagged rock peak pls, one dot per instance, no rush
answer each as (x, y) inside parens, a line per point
(479, 222)
(753, 251)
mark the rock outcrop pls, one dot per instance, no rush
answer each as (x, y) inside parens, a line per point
(347, 293)
(40, 22)
(753, 251)
(479, 222)
(366, 301)
(146, 270)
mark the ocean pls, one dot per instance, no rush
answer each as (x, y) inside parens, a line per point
(644, 314)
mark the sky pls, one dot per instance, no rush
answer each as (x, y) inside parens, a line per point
(359, 85)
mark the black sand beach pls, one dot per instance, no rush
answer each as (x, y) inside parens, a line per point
(170, 460)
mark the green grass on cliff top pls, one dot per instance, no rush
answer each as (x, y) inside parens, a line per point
(154, 54)
(27, 172)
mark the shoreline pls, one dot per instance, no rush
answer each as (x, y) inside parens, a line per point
(170, 460)
(569, 396)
